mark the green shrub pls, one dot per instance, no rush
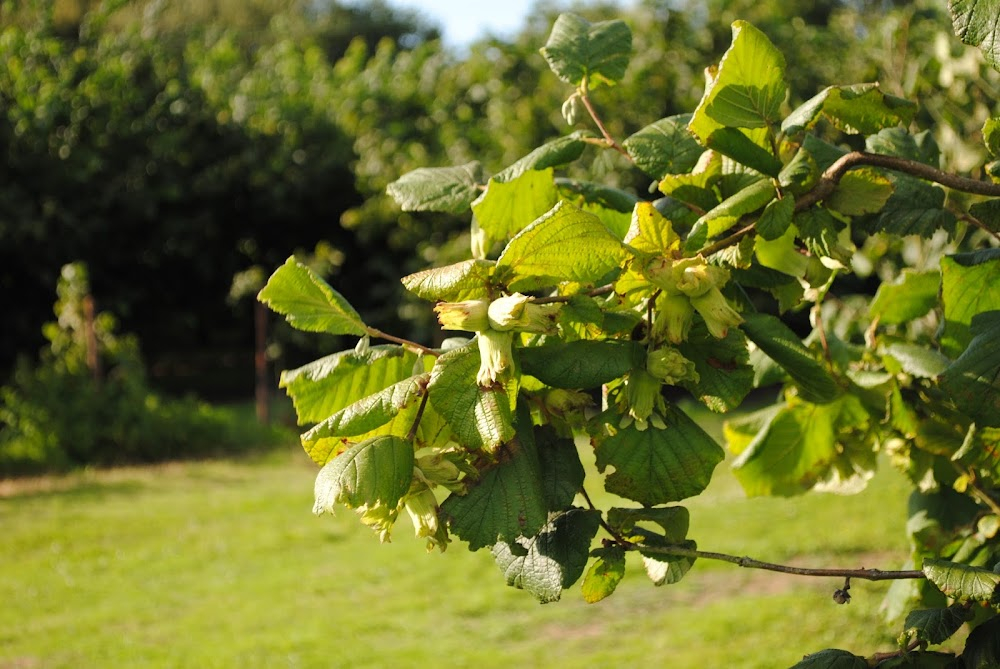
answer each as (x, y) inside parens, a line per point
(64, 412)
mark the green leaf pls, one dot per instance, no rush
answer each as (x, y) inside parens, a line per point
(936, 625)
(580, 364)
(912, 295)
(748, 89)
(604, 574)
(858, 109)
(988, 213)
(991, 136)
(562, 472)
(566, 244)
(970, 285)
(612, 206)
(975, 22)
(447, 189)
(861, 191)
(973, 380)
(746, 147)
(556, 153)
(729, 211)
(782, 254)
(776, 218)
(480, 417)
(579, 51)
(553, 560)
(371, 477)
(325, 386)
(777, 340)
(796, 448)
(724, 375)
(918, 361)
(661, 568)
(823, 235)
(915, 207)
(664, 147)
(982, 647)
(650, 232)
(369, 412)
(466, 280)
(309, 303)
(508, 207)
(506, 502)
(674, 520)
(831, 658)
(961, 581)
(657, 466)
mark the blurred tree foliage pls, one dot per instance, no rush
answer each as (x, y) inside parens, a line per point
(172, 145)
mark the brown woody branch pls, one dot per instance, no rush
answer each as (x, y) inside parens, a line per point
(830, 179)
(750, 563)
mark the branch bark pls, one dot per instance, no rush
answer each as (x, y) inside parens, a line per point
(750, 563)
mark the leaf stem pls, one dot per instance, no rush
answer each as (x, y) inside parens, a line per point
(600, 125)
(406, 343)
(607, 528)
(750, 563)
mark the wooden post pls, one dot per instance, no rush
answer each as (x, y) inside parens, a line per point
(262, 384)
(90, 336)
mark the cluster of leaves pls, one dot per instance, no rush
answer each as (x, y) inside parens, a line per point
(593, 310)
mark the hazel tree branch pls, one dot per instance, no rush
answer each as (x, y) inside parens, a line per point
(830, 179)
(600, 126)
(750, 563)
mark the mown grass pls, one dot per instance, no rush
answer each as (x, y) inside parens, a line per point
(221, 564)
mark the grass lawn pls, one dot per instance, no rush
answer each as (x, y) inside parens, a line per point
(221, 564)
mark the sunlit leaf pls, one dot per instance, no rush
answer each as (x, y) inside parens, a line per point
(480, 417)
(970, 285)
(566, 244)
(371, 477)
(604, 574)
(466, 280)
(309, 303)
(961, 581)
(325, 386)
(651, 232)
(861, 108)
(508, 207)
(578, 50)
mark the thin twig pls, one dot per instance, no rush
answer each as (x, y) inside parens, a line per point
(750, 563)
(607, 528)
(406, 343)
(420, 414)
(972, 220)
(600, 126)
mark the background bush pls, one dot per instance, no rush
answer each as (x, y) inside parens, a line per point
(62, 413)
